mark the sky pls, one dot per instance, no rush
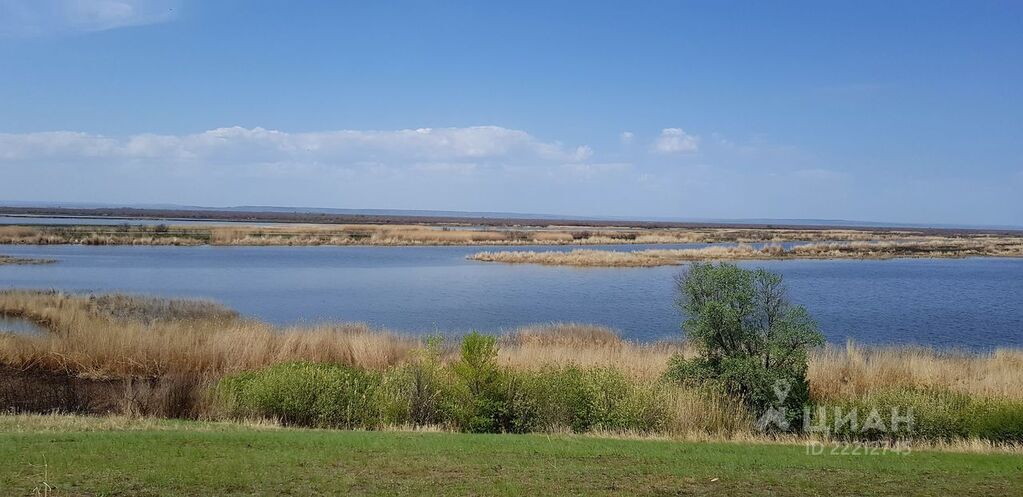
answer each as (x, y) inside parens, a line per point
(892, 111)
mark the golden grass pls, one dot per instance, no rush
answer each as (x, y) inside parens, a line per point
(186, 346)
(90, 342)
(929, 247)
(121, 336)
(586, 346)
(853, 371)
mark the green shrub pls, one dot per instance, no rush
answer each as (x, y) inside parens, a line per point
(480, 399)
(414, 393)
(305, 394)
(550, 399)
(998, 420)
(935, 414)
(611, 401)
(584, 400)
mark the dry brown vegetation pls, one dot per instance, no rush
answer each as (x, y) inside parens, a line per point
(536, 346)
(419, 234)
(924, 247)
(115, 336)
(125, 355)
(118, 336)
(852, 371)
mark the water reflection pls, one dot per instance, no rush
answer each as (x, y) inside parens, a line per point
(11, 324)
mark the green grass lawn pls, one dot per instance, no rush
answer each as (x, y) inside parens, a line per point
(174, 458)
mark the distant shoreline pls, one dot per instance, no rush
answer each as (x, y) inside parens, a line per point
(827, 243)
(119, 215)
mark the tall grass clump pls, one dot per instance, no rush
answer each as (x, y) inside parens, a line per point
(305, 394)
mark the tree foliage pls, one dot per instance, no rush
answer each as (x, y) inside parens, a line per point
(753, 342)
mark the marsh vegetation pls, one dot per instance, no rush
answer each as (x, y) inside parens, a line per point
(924, 247)
(116, 354)
(424, 234)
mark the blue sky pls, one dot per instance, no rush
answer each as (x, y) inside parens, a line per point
(886, 111)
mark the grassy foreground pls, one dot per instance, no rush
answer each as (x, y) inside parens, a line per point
(56, 455)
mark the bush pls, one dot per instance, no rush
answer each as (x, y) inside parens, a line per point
(414, 392)
(491, 399)
(474, 394)
(305, 394)
(583, 400)
(482, 391)
(935, 414)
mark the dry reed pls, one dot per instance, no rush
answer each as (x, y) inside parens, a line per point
(146, 357)
(90, 339)
(940, 247)
(120, 336)
(854, 371)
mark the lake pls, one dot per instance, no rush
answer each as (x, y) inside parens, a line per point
(974, 303)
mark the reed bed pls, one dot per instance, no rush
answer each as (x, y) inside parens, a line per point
(119, 336)
(111, 336)
(587, 346)
(143, 356)
(855, 371)
(929, 247)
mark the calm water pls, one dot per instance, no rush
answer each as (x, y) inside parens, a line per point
(9, 324)
(974, 303)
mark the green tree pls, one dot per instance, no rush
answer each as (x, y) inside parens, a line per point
(753, 342)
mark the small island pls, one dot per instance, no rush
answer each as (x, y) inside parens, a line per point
(9, 260)
(925, 247)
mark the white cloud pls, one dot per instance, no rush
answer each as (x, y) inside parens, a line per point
(675, 140)
(582, 153)
(47, 17)
(593, 170)
(627, 137)
(437, 149)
